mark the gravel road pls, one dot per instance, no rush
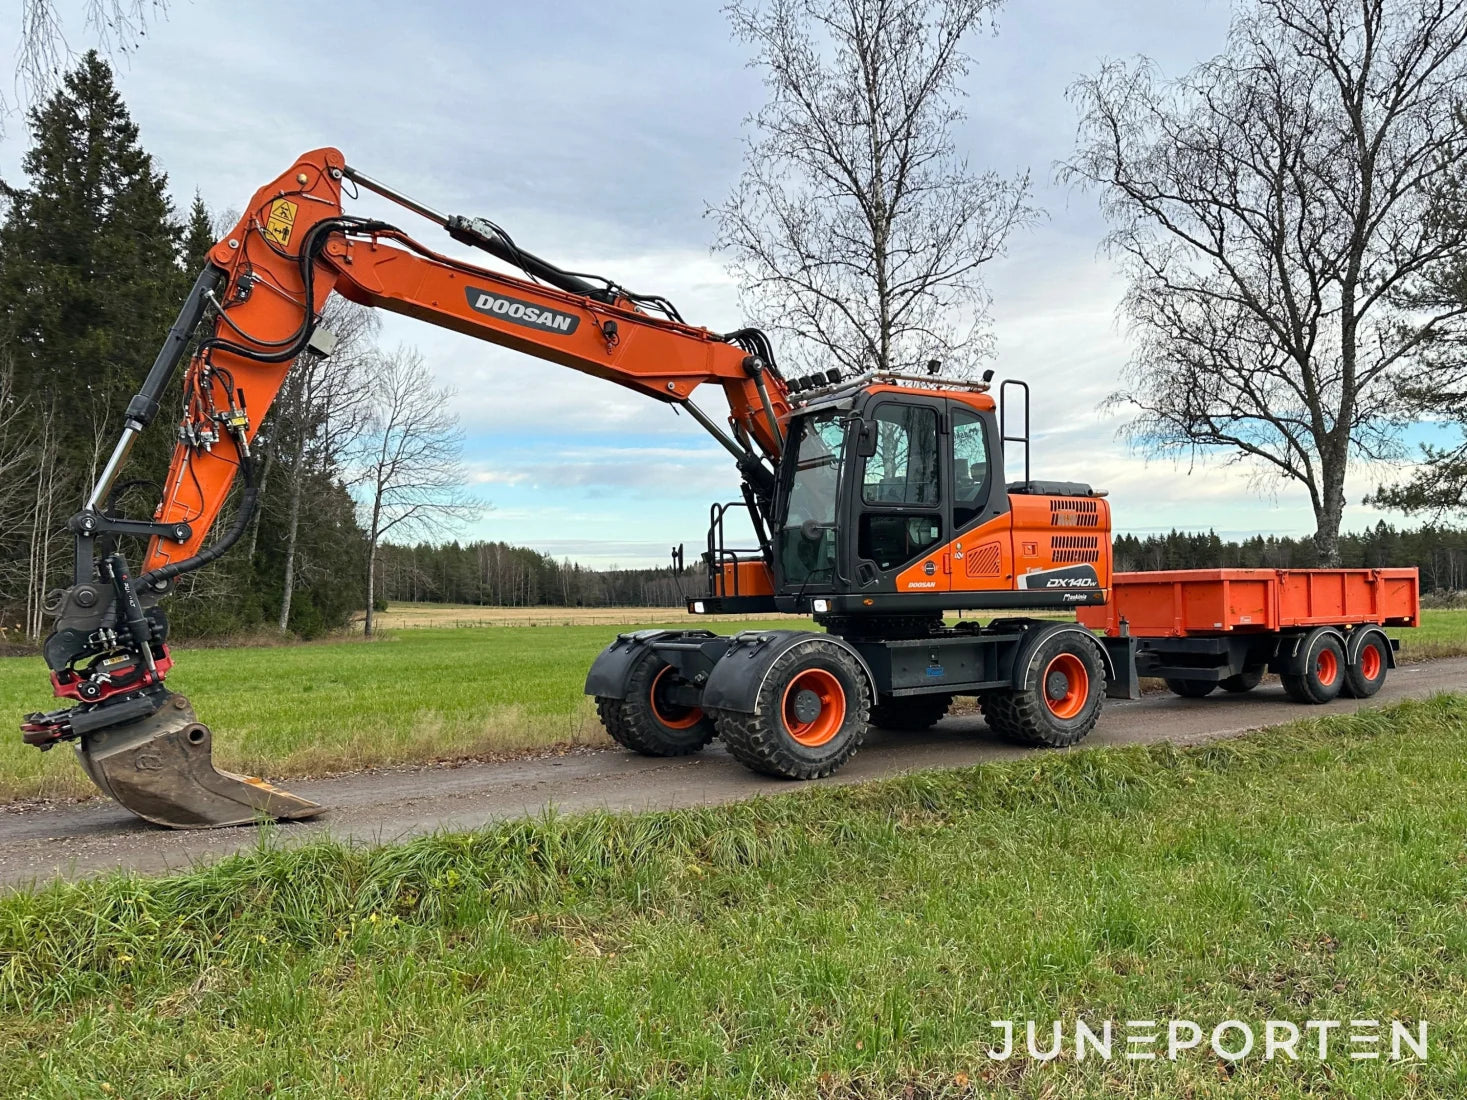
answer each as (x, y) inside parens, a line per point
(85, 838)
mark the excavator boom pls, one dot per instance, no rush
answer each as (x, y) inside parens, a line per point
(258, 303)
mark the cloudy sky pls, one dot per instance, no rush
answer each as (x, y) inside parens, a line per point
(597, 134)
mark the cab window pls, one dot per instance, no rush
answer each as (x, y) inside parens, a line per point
(904, 468)
(899, 487)
(806, 539)
(970, 467)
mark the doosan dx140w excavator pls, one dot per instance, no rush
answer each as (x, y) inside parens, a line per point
(878, 503)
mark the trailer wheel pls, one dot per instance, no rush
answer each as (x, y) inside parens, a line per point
(1366, 672)
(646, 721)
(809, 716)
(911, 713)
(1059, 700)
(1324, 670)
(1242, 681)
(1190, 689)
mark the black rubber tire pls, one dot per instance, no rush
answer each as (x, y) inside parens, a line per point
(1357, 684)
(762, 740)
(1025, 715)
(910, 713)
(1309, 686)
(1242, 681)
(634, 723)
(1190, 689)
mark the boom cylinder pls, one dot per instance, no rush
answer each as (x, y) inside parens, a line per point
(144, 406)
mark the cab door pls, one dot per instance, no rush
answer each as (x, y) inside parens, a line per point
(981, 551)
(899, 503)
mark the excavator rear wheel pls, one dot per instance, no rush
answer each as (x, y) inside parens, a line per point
(809, 716)
(910, 713)
(1058, 702)
(646, 720)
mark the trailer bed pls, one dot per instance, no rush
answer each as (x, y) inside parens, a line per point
(1195, 602)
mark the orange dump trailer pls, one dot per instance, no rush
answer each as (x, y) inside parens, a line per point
(1204, 629)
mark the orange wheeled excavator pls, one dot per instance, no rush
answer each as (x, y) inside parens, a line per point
(878, 503)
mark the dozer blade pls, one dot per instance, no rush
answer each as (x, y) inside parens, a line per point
(161, 768)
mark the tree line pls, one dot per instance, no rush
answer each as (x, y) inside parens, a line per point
(496, 574)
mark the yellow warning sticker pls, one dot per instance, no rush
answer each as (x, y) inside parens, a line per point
(281, 220)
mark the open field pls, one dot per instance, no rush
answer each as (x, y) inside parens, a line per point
(401, 616)
(839, 943)
(411, 696)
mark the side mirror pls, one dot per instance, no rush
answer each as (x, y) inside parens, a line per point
(866, 439)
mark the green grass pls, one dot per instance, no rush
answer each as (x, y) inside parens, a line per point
(1442, 633)
(836, 943)
(413, 696)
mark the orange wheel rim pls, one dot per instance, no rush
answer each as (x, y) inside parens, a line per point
(1327, 666)
(1066, 686)
(1370, 661)
(671, 715)
(814, 707)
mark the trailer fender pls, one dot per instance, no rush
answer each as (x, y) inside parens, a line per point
(1294, 647)
(1357, 639)
(608, 674)
(738, 675)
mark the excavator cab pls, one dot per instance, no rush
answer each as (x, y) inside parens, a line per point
(892, 500)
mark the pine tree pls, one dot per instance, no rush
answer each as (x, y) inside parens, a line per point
(89, 282)
(198, 237)
(89, 273)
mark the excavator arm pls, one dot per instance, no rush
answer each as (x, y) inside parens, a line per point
(293, 247)
(258, 303)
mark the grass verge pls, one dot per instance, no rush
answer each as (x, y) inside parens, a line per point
(841, 942)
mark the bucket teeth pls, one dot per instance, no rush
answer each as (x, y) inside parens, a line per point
(161, 768)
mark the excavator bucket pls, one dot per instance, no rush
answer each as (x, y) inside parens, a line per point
(161, 768)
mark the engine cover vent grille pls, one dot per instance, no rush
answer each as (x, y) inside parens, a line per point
(1073, 512)
(1074, 549)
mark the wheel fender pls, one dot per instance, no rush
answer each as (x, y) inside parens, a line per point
(736, 679)
(1036, 636)
(1291, 660)
(608, 674)
(1357, 639)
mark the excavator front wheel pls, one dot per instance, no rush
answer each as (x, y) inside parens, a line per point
(161, 768)
(809, 716)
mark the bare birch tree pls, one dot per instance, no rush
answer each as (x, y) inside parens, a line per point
(857, 230)
(411, 475)
(1271, 211)
(319, 420)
